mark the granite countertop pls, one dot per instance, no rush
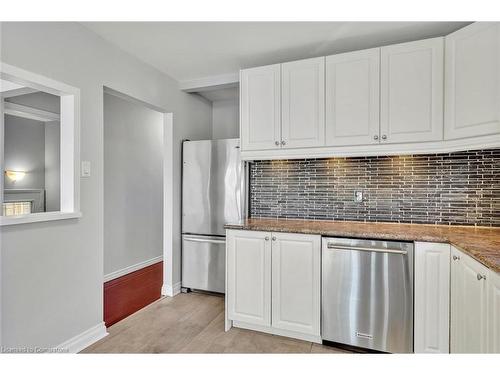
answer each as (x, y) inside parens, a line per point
(481, 243)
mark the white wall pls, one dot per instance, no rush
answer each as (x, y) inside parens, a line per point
(133, 183)
(52, 272)
(225, 119)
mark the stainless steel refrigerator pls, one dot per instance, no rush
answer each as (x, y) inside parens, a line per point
(213, 194)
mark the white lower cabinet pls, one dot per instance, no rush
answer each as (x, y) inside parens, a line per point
(273, 282)
(432, 298)
(296, 282)
(494, 312)
(457, 302)
(248, 275)
(469, 305)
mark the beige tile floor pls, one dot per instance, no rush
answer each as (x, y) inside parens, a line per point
(193, 323)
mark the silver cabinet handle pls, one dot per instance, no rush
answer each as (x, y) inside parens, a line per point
(283, 143)
(267, 238)
(277, 143)
(274, 238)
(371, 249)
(375, 137)
(384, 137)
(481, 277)
(455, 257)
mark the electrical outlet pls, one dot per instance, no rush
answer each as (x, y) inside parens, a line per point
(358, 196)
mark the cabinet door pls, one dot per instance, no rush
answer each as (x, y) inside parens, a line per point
(472, 81)
(468, 305)
(249, 276)
(432, 297)
(412, 92)
(353, 98)
(494, 312)
(296, 283)
(303, 103)
(260, 113)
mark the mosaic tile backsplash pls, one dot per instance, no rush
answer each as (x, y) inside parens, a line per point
(461, 188)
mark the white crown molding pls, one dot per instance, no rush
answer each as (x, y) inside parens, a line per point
(210, 83)
(84, 339)
(134, 267)
(171, 290)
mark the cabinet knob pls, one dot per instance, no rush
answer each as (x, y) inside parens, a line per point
(455, 257)
(375, 137)
(277, 143)
(384, 137)
(274, 238)
(267, 238)
(481, 277)
(283, 143)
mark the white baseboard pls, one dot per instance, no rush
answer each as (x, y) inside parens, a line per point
(132, 268)
(84, 339)
(171, 290)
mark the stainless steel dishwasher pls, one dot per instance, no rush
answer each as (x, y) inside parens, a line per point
(367, 294)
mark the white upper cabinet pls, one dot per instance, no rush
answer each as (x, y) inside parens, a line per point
(296, 282)
(427, 96)
(303, 103)
(249, 277)
(469, 307)
(353, 98)
(412, 92)
(432, 298)
(472, 81)
(260, 108)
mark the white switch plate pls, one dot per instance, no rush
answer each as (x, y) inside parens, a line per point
(85, 168)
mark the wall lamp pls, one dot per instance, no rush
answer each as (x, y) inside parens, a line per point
(15, 175)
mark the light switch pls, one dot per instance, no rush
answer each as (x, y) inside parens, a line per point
(85, 168)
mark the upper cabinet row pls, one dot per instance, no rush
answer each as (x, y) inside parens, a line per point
(429, 90)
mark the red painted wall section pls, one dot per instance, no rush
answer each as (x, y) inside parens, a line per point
(129, 293)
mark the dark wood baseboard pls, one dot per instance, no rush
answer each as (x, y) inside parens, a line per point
(127, 294)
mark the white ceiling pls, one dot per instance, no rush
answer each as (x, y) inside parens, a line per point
(191, 50)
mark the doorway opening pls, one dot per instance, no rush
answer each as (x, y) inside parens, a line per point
(137, 209)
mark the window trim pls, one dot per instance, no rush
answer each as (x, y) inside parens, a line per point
(70, 144)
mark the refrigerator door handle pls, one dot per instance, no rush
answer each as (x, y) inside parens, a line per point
(206, 240)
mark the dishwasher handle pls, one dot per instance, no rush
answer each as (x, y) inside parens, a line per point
(330, 245)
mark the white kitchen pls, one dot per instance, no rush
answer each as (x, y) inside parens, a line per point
(258, 186)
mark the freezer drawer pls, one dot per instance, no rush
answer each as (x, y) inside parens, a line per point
(204, 262)
(367, 294)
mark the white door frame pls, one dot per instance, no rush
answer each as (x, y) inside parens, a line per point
(168, 288)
